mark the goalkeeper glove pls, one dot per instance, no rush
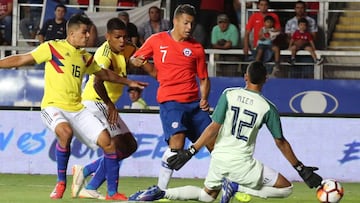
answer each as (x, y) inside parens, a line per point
(182, 156)
(311, 179)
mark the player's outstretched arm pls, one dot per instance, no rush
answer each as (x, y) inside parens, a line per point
(312, 179)
(137, 61)
(17, 60)
(111, 76)
(183, 156)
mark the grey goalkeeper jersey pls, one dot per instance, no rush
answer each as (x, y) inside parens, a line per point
(242, 113)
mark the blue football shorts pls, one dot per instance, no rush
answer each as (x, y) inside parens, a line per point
(183, 117)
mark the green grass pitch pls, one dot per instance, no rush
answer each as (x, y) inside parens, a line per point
(16, 188)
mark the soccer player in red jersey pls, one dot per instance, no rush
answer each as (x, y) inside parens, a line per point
(179, 60)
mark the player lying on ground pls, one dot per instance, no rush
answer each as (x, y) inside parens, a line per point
(237, 118)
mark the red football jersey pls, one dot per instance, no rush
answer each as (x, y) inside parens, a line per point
(178, 64)
(256, 22)
(302, 36)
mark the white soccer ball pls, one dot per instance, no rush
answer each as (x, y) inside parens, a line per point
(330, 191)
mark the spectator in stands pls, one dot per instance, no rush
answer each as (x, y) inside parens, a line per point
(209, 10)
(292, 24)
(266, 36)
(290, 28)
(255, 23)
(302, 39)
(54, 28)
(154, 25)
(224, 35)
(29, 25)
(137, 102)
(132, 31)
(6, 7)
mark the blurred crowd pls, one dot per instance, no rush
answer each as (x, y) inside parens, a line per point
(218, 26)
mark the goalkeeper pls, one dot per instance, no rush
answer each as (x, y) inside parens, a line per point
(238, 116)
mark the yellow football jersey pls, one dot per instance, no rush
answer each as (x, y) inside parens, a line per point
(107, 59)
(65, 67)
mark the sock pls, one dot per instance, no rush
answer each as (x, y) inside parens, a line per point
(111, 166)
(205, 197)
(99, 176)
(91, 168)
(62, 159)
(183, 193)
(165, 172)
(267, 191)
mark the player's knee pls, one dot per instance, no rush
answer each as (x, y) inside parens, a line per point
(177, 140)
(108, 148)
(104, 141)
(64, 131)
(275, 48)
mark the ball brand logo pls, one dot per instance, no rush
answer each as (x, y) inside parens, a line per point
(313, 102)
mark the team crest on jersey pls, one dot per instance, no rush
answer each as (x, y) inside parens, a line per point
(187, 52)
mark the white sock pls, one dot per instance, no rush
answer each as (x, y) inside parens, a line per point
(267, 191)
(165, 173)
(205, 197)
(183, 193)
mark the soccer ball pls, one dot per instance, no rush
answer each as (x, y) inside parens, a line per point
(330, 191)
